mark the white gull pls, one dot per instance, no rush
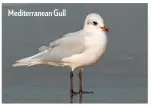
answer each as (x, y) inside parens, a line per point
(75, 50)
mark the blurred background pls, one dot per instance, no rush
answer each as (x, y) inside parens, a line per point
(119, 77)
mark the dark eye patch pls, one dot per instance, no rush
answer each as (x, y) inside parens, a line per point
(95, 23)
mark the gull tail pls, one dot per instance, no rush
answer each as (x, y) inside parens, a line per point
(30, 61)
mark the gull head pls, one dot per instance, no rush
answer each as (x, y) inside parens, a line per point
(94, 22)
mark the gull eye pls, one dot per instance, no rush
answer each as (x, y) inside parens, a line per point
(95, 23)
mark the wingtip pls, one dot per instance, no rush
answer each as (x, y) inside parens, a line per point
(18, 64)
(15, 64)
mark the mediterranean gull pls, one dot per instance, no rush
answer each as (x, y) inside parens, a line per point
(75, 50)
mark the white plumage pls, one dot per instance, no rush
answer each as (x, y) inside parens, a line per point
(75, 50)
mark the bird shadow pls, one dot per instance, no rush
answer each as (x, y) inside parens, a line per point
(80, 95)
